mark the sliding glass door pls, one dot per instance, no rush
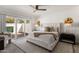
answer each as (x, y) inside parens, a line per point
(10, 25)
(16, 26)
(20, 27)
(2, 24)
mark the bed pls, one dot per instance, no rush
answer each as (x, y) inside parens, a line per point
(46, 41)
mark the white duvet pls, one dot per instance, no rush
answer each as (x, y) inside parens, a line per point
(46, 41)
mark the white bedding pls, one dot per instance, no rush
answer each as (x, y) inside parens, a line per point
(47, 38)
(46, 41)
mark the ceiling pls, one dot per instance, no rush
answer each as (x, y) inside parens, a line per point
(16, 10)
(27, 11)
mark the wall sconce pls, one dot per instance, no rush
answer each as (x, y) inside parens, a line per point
(37, 23)
(68, 21)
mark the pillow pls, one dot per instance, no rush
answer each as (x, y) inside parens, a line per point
(47, 29)
(52, 29)
(56, 29)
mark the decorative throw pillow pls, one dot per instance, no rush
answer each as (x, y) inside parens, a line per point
(47, 29)
(52, 29)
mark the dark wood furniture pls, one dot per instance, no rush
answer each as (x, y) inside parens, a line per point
(2, 43)
(69, 38)
(7, 34)
(5, 39)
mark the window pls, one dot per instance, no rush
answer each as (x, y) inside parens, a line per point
(9, 29)
(9, 19)
(20, 21)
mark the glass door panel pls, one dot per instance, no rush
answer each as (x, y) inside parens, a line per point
(10, 25)
(20, 28)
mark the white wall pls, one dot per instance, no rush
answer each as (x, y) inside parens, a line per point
(57, 14)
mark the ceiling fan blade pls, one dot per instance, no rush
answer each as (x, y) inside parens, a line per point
(36, 7)
(42, 9)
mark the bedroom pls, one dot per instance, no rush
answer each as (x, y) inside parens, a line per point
(50, 16)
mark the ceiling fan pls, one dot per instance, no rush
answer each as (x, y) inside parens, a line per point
(36, 7)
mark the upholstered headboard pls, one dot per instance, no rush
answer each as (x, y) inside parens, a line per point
(53, 27)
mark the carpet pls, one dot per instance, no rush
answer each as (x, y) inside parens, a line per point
(31, 48)
(28, 47)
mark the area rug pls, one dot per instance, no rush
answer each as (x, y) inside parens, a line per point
(27, 47)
